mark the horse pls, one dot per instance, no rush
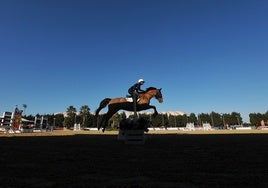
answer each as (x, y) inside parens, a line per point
(121, 103)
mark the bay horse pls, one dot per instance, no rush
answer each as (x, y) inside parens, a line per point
(121, 103)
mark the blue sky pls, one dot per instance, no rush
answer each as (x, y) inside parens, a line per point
(208, 55)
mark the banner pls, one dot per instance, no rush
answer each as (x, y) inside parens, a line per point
(17, 118)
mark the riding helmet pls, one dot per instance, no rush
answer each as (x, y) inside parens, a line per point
(141, 80)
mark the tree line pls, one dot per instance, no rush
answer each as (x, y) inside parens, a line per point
(87, 119)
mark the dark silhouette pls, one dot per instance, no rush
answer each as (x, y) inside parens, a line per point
(121, 103)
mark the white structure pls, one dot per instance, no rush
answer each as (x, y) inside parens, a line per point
(190, 126)
(6, 121)
(77, 127)
(132, 137)
(206, 126)
(40, 123)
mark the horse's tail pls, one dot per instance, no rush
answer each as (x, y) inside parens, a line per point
(103, 104)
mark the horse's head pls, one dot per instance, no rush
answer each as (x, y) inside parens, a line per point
(158, 95)
(153, 92)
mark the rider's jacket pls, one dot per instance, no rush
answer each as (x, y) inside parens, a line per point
(136, 87)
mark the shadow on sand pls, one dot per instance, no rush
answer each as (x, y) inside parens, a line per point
(163, 161)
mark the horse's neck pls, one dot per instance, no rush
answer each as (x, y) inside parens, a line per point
(145, 98)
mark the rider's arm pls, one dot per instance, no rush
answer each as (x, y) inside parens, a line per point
(139, 90)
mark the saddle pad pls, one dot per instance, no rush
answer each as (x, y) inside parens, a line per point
(129, 99)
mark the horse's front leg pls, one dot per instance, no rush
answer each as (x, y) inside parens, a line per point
(146, 107)
(155, 111)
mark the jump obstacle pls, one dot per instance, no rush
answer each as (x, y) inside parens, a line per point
(131, 131)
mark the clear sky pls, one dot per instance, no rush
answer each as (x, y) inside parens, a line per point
(209, 55)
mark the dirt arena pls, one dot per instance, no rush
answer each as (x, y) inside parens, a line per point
(174, 159)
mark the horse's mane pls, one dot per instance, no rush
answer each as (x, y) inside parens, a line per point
(150, 88)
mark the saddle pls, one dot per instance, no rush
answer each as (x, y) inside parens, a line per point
(130, 99)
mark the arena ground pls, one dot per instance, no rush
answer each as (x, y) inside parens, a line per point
(168, 159)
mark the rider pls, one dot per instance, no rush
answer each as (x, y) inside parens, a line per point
(136, 89)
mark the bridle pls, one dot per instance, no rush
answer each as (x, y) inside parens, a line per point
(158, 94)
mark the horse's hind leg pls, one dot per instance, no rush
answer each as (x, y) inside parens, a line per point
(106, 118)
(99, 124)
(104, 122)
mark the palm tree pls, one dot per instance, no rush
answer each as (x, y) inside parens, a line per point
(84, 111)
(70, 120)
(24, 108)
(71, 110)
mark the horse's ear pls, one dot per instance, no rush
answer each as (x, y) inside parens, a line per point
(160, 89)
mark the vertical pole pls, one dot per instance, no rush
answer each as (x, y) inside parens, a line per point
(211, 116)
(223, 119)
(238, 119)
(135, 105)
(199, 119)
